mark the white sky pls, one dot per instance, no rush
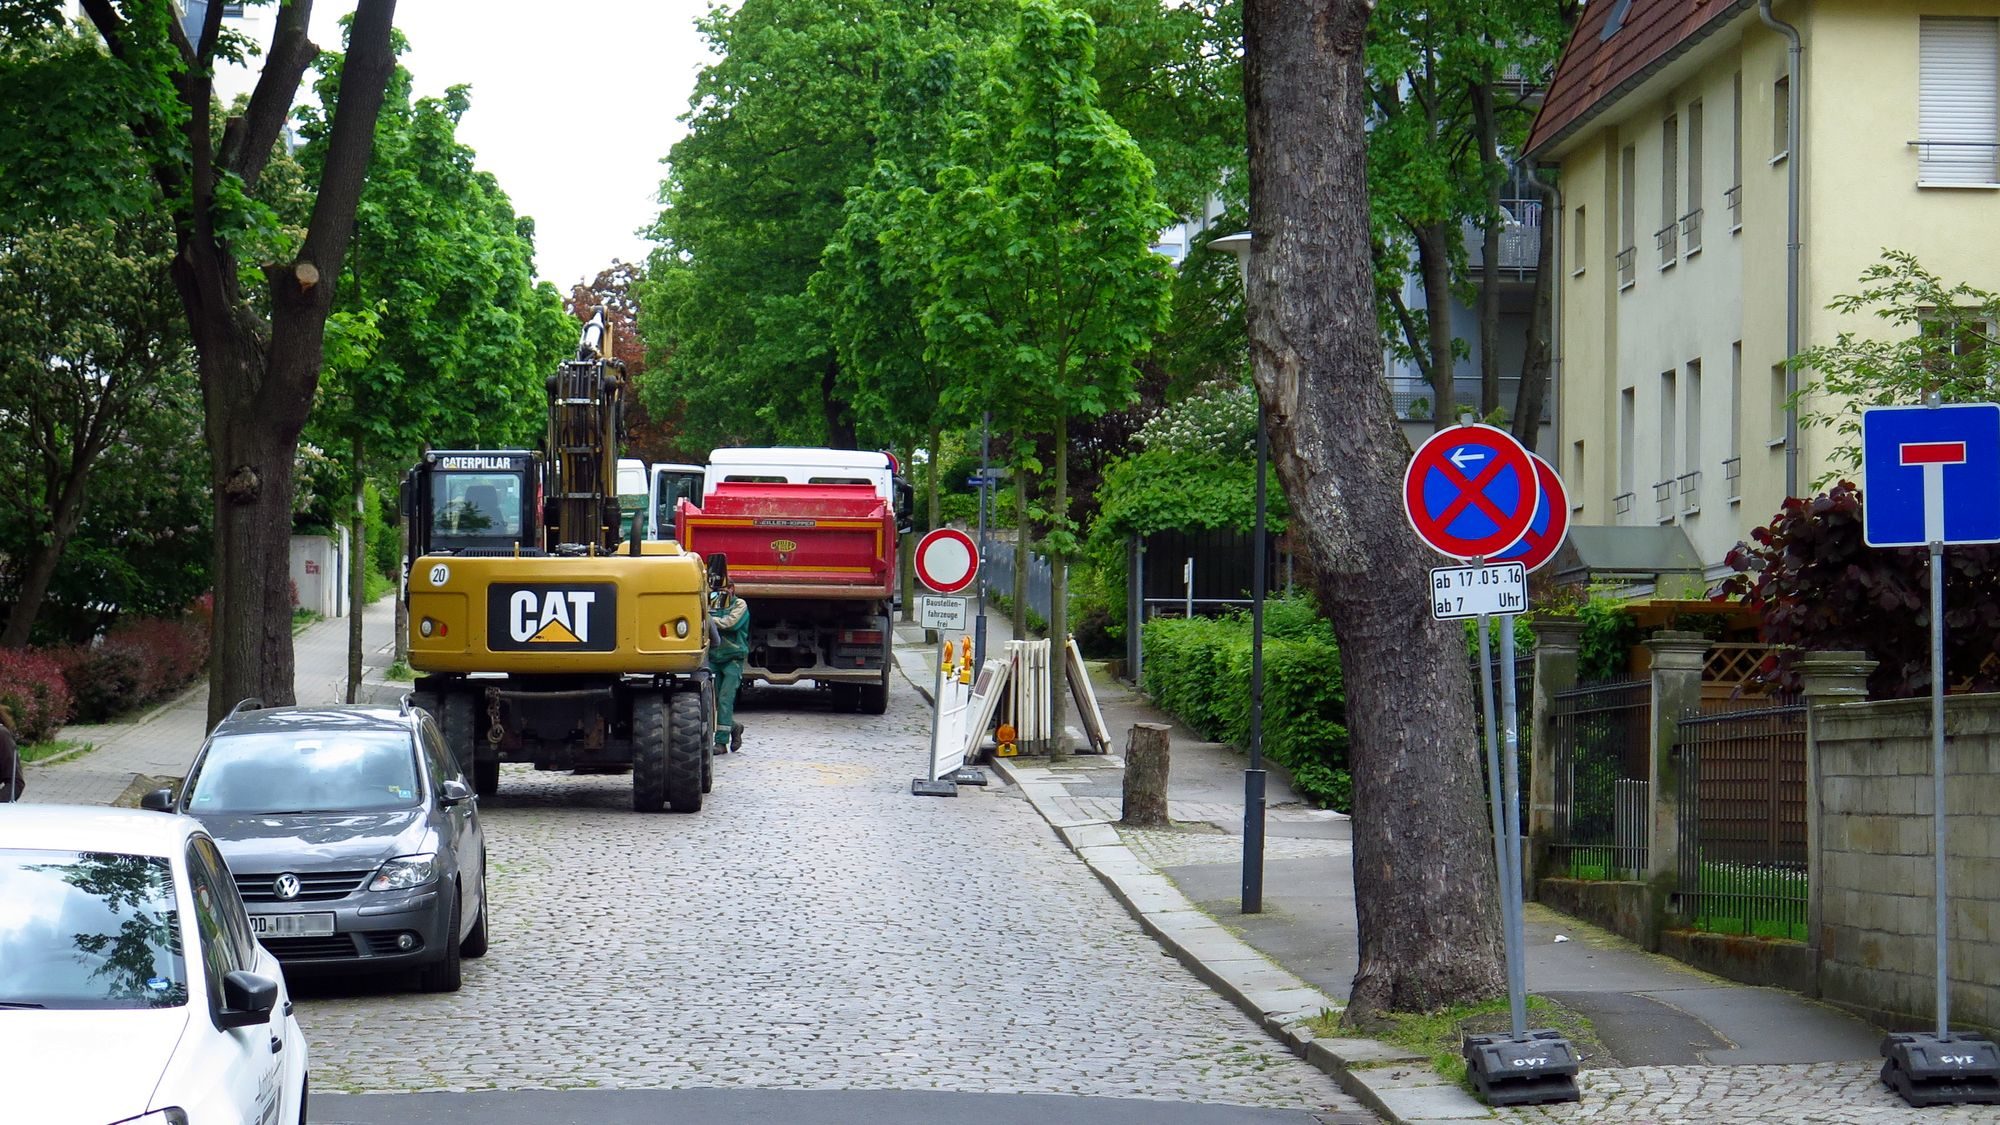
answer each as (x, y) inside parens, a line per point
(573, 106)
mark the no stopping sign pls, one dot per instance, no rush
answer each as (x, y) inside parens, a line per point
(947, 560)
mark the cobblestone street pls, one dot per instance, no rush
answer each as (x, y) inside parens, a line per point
(815, 926)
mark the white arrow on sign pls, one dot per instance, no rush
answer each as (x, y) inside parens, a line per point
(1460, 456)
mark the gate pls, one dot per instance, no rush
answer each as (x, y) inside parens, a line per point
(1602, 736)
(1742, 790)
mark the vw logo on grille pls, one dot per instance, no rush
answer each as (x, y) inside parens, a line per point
(285, 886)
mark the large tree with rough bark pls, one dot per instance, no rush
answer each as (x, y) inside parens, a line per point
(1423, 871)
(257, 294)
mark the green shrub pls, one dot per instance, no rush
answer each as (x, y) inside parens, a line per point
(1199, 669)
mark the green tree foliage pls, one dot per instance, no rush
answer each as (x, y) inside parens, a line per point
(1816, 585)
(1939, 337)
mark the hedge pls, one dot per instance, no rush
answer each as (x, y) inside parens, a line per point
(33, 688)
(1199, 669)
(138, 662)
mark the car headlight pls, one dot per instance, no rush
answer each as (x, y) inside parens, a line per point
(172, 1115)
(404, 872)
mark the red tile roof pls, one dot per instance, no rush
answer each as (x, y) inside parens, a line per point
(1594, 69)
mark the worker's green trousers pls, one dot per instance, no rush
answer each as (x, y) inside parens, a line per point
(728, 674)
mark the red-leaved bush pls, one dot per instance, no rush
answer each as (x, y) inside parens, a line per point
(138, 662)
(1817, 586)
(32, 686)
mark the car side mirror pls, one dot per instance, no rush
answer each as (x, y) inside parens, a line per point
(159, 800)
(247, 999)
(454, 792)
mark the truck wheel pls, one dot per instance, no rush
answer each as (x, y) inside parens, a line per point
(846, 697)
(689, 744)
(486, 776)
(875, 698)
(649, 752)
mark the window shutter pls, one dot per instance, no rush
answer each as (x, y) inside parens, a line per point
(1958, 114)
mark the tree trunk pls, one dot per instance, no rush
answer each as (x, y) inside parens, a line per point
(906, 560)
(931, 478)
(357, 575)
(402, 628)
(1423, 875)
(1434, 269)
(1022, 538)
(1059, 601)
(1145, 781)
(1489, 268)
(839, 424)
(42, 564)
(1532, 391)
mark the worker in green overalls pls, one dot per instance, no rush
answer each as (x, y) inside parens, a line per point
(725, 659)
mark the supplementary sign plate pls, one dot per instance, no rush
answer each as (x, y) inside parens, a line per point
(1473, 591)
(947, 615)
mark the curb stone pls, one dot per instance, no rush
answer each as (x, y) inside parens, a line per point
(1397, 1084)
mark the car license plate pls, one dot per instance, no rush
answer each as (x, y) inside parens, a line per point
(291, 925)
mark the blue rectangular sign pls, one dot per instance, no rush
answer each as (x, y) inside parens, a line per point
(1930, 474)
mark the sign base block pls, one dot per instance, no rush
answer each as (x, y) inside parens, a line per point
(969, 775)
(1533, 1071)
(925, 787)
(1925, 1069)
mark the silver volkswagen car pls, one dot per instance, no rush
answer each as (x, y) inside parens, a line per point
(351, 834)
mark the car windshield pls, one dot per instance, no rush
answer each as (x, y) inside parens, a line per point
(89, 930)
(305, 771)
(477, 505)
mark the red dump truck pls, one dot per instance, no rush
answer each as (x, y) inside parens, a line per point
(810, 538)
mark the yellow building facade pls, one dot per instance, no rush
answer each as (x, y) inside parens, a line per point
(1672, 311)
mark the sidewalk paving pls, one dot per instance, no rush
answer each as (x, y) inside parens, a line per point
(162, 742)
(1679, 1044)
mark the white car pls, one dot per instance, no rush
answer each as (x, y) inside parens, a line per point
(131, 988)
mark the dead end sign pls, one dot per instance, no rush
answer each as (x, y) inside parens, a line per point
(1470, 491)
(1550, 526)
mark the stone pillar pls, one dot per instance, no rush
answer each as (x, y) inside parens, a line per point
(1558, 642)
(1830, 679)
(1677, 662)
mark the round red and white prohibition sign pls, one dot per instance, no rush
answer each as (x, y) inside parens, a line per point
(1550, 526)
(947, 560)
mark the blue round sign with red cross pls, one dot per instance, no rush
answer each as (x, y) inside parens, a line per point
(1471, 491)
(1550, 526)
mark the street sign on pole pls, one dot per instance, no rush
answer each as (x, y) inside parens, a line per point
(1931, 478)
(947, 560)
(1470, 491)
(1930, 474)
(941, 613)
(1550, 526)
(1459, 592)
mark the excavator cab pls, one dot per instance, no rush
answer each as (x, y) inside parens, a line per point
(474, 502)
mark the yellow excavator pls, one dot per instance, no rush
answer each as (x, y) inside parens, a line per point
(539, 635)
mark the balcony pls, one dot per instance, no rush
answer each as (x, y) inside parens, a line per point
(1520, 237)
(1412, 396)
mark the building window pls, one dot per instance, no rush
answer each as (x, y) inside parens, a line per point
(1732, 465)
(1781, 119)
(1958, 102)
(1953, 338)
(1780, 401)
(1628, 418)
(1734, 196)
(1576, 473)
(1689, 478)
(1691, 218)
(1665, 488)
(1579, 252)
(1670, 177)
(1628, 215)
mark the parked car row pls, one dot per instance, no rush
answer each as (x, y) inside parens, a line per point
(325, 839)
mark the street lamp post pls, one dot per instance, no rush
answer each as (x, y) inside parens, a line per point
(1253, 778)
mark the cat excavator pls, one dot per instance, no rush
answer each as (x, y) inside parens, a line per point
(539, 633)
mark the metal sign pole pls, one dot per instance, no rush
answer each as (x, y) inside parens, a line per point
(1937, 783)
(930, 785)
(1510, 772)
(1253, 778)
(1493, 791)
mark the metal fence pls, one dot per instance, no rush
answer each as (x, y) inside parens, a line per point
(1741, 777)
(997, 562)
(1524, 719)
(1602, 736)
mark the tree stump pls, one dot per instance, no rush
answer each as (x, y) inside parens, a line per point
(1146, 776)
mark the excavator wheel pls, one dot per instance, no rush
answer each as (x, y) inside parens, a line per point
(461, 731)
(688, 748)
(649, 752)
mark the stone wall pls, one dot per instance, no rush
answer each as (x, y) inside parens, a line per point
(1872, 773)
